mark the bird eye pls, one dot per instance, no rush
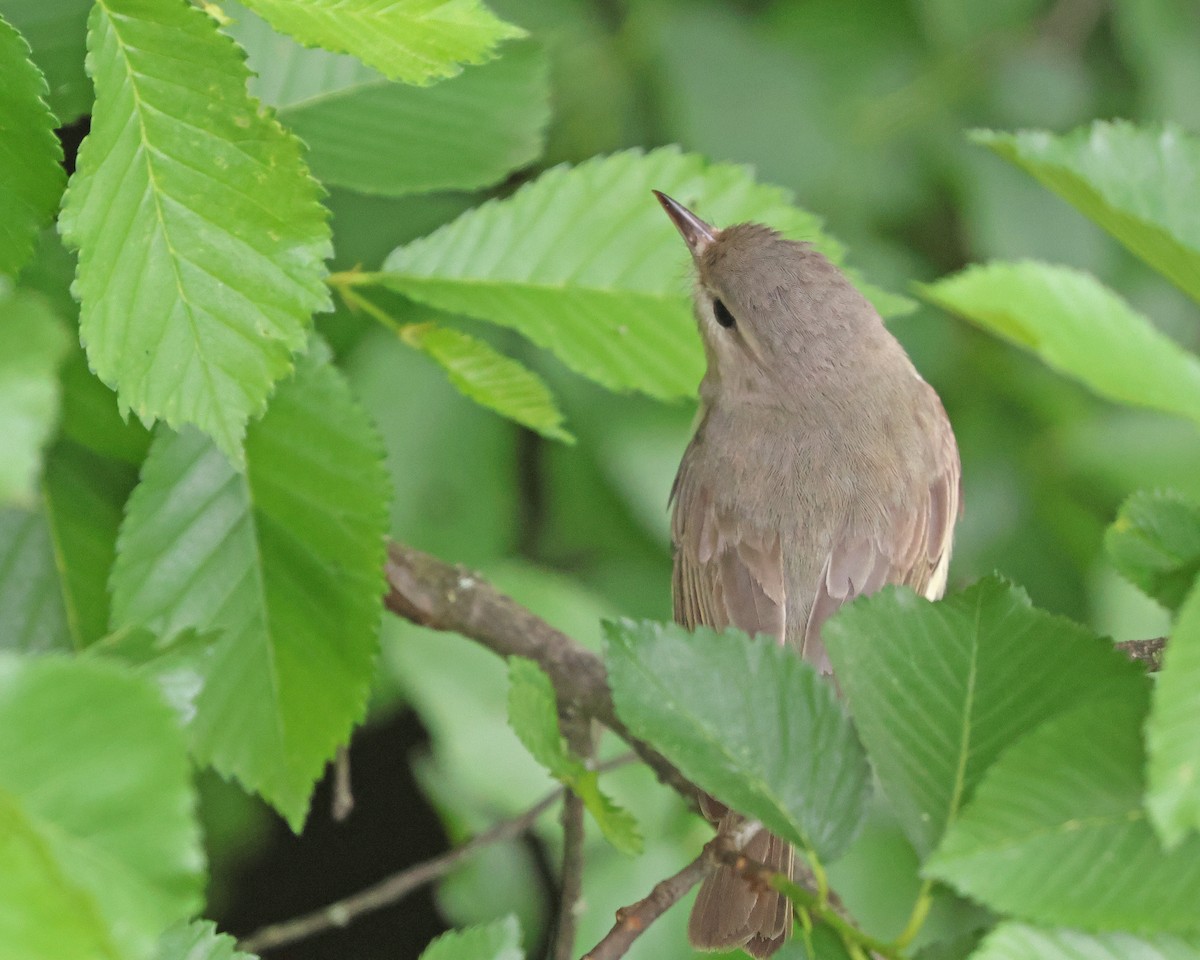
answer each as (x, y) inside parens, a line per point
(721, 312)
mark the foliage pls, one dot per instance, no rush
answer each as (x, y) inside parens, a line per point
(465, 202)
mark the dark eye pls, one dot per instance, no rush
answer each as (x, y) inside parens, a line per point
(721, 312)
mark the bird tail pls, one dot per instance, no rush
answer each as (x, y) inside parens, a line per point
(730, 913)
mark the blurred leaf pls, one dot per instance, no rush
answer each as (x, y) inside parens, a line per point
(1160, 41)
(1056, 832)
(416, 41)
(748, 721)
(369, 134)
(32, 345)
(55, 559)
(33, 618)
(1139, 184)
(199, 232)
(490, 378)
(31, 174)
(97, 824)
(90, 416)
(1173, 771)
(533, 715)
(82, 499)
(584, 263)
(57, 32)
(939, 690)
(1155, 543)
(451, 463)
(1077, 326)
(285, 562)
(494, 941)
(1019, 941)
(198, 940)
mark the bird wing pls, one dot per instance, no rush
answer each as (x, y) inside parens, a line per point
(911, 548)
(727, 572)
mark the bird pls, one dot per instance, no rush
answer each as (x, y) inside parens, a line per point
(822, 467)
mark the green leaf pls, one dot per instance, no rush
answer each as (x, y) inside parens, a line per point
(83, 496)
(493, 941)
(533, 715)
(749, 722)
(32, 345)
(1139, 184)
(939, 690)
(369, 134)
(1019, 941)
(490, 378)
(201, 241)
(1155, 543)
(198, 940)
(1079, 327)
(98, 834)
(54, 560)
(57, 32)
(1173, 771)
(32, 616)
(584, 263)
(416, 41)
(1056, 832)
(31, 174)
(285, 562)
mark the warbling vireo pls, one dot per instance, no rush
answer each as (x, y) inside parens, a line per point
(823, 468)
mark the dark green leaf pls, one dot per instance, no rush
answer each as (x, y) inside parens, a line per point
(57, 32)
(1155, 543)
(748, 721)
(369, 134)
(284, 562)
(31, 174)
(1056, 832)
(939, 690)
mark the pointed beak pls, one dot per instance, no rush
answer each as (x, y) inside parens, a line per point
(696, 233)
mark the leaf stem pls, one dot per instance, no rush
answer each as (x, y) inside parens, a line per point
(916, 919)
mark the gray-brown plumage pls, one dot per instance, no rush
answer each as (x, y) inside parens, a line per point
(823, 467)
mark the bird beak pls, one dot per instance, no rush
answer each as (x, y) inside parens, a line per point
(696, 233)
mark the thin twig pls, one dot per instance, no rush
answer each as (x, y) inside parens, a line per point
(578, 733)
(633, 920)
(391, 889)
(342, 803)
(435, 594)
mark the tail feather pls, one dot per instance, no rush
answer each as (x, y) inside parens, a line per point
(730, 913)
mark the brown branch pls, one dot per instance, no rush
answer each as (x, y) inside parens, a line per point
(433, 593)
(633, 920)
(1149, 652)
(391, 889)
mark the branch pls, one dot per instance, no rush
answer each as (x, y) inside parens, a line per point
(433, 593)
(1149, 652)
(391, 889)
(634, 919)
(342, 803)
(578, 732)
